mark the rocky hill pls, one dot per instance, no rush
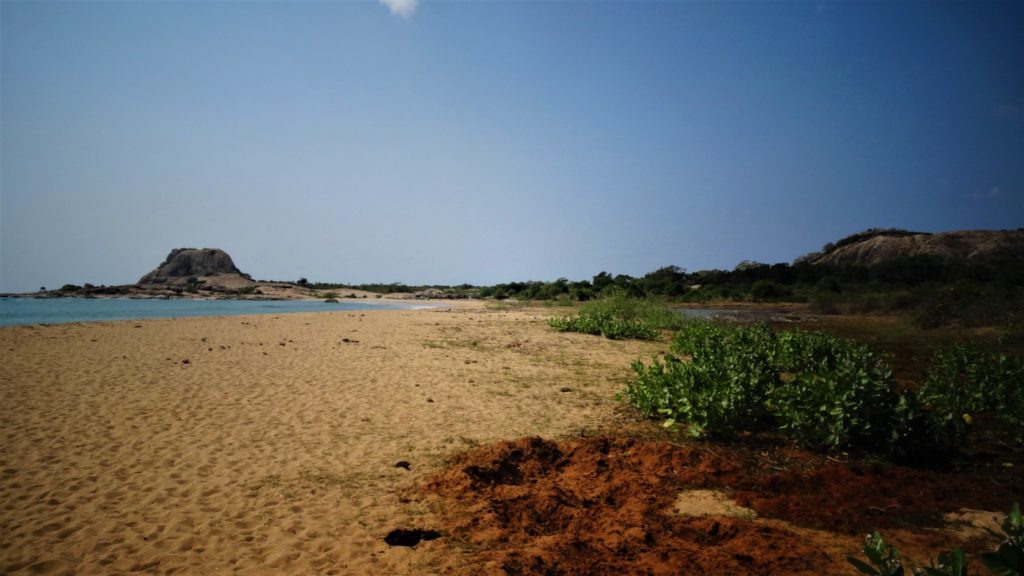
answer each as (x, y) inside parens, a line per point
(988, 248)
(209, 266)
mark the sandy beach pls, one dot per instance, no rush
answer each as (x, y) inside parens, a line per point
(263, 444)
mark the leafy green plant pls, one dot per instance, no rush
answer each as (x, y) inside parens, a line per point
(714, 394)
(607, 325)
(964, 381)
(1008, 560)
(841, 393)
(844, 407)
(885, 559)
(618, 315)
(820, 391)
(711, 399)
(951, 563)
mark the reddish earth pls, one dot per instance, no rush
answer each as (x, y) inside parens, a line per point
(606, 506)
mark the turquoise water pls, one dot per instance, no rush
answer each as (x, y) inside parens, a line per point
(19, 311)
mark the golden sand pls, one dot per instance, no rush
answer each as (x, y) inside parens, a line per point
(267, 445)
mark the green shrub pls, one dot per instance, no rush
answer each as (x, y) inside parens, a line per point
(712, 399)
(964, 381)
(851, 404)
(768, 290)
(823, 392)
(602, 323)
(820, 391)
(618, 315)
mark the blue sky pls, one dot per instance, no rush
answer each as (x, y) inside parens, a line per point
(490, 141)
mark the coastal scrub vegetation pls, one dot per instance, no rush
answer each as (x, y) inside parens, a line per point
(931, 292)
(928, 291)
(822, 392)
(965, 380)
(619, 315)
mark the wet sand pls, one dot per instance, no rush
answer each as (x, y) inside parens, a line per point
(260, 444)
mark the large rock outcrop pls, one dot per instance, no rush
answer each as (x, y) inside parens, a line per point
(987, 248)
(210, 265)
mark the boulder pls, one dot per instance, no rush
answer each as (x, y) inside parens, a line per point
(212, 266)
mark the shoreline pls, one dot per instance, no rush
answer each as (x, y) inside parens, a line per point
(75, 310)
(226, 287)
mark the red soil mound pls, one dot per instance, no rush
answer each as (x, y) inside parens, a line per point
(605, 506)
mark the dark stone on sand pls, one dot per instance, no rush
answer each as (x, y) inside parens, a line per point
(403, 537)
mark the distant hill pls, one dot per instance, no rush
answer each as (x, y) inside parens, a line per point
(985, 248)
(212, 266)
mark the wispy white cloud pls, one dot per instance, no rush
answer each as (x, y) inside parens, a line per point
(403, 8)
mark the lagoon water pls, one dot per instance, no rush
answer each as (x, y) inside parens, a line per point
(20, 311)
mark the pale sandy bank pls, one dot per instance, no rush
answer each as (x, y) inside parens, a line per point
(267, 445)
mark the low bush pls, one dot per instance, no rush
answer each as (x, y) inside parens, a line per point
(711, 399)
(965, 381)
(820, 391)
(823, 392)
(766, 290)
(852, 404)
(618, 315)
(605, 324)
